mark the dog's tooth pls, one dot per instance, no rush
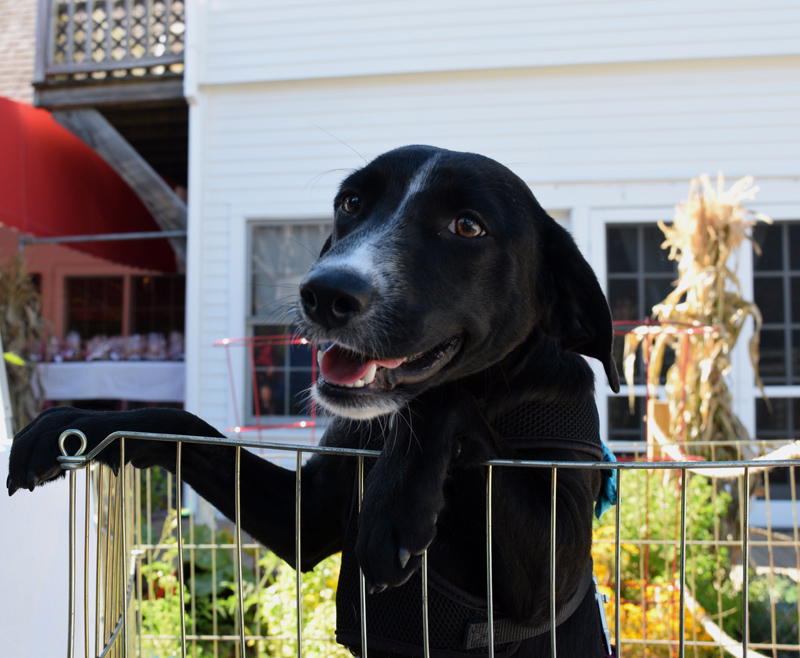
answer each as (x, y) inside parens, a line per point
(358, 383)
(319, 357)
(348, 385)
(369, 376)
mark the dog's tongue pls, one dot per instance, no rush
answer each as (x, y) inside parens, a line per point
(340, 366)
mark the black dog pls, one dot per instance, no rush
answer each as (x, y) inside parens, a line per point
(458, 311)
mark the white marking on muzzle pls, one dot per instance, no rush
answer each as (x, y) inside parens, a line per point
(373, 256)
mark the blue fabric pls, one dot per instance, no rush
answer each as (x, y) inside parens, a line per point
(608, 490)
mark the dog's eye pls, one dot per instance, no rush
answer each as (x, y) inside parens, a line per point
(466, 227)
(351, 204)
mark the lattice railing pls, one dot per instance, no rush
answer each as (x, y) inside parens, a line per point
(94, 39)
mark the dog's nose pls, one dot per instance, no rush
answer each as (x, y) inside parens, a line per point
(334, 297)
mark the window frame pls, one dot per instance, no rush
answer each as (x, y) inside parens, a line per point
(252, 321)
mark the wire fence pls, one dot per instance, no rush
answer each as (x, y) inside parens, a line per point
(680, 573)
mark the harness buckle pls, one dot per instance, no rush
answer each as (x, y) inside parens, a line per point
(601, 599)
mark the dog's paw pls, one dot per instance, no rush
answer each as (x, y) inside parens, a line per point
(391, 540)
(35, 449)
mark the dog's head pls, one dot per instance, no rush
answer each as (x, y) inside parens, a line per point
(439, 265)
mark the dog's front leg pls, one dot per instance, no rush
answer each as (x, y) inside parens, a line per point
(404, 492)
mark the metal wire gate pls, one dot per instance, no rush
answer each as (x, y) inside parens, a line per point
(124, 616)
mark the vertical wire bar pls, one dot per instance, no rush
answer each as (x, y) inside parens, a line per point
(362, 585)
(111, 564)
(682, 612)
(106, 563)
(98, 558)
(124, 542)
(72, 565)
(298, 570)
(618, 565)
(745, 561)
(693, 577)
(114, 567)
(137, 497)
(553, 487)
(150, 580)
(792, 486)
(489, 556)
(214, 623)
(717, 554)
(87, 519)
(771, 553)
(259, 589)
(644, 561)
(426, 649)
(179, 504)
(239, 584)
(192, 574)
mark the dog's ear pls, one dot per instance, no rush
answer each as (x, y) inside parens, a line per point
(326, 246)
(575, 308)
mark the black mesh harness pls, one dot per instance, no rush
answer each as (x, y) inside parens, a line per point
(458, 621)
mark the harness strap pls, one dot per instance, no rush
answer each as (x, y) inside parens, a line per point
(505, 630)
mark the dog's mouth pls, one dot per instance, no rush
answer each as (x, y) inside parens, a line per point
(343, 368)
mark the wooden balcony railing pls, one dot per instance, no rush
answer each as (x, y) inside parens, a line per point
(100, 39)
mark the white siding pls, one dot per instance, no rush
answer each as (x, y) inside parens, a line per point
(584, 137)
(252, 40)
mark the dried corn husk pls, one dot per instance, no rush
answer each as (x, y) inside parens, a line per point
(22, 330)
(701, 319)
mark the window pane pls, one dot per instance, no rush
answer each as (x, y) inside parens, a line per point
(795, 357)
(270, 353)
(158, 304)
(794, 245)
(623, 298)
(655, 290)
(769, 425)
(796, 417)
(300, 356)
(281, 255)
(622, 424)
(769, 238)
(621, 250)
(300, 402)
(773, 356)
(655, 258)
(768, 295)
(94, 305)
(795, 293)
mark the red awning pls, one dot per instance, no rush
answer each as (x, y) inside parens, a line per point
(53, 184)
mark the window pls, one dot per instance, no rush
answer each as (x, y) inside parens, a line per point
(639, 276)
(94, 305)
(776, 291)
(776, 287)
(158, 304)
(280, 255)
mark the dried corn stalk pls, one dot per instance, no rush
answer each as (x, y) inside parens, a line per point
(700, 320)
(22, 329)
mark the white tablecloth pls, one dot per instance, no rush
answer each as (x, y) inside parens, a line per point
(145, 381)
